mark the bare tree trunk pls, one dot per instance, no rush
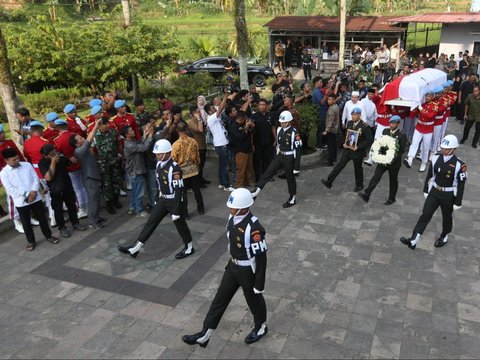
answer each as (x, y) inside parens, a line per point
(135, 86)
(341, 49)
(126, 12)
(242, 41)
(7, 89)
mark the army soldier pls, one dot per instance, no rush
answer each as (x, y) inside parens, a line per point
(444, 186)
(246, 269)
(355, 152)
(393, 168)
(170, 201)
(288, 143)
(106, 144)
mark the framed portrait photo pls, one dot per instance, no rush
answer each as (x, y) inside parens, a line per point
(351, 138)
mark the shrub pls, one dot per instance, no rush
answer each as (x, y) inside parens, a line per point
(188, 87)
(309, 119)
(51, 100)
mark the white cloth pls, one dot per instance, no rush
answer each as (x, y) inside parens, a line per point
(413, 87)
(218, 131)
(437, 138)
(19, 182)
(370, 111)
(418, 137)
(379, 131)
(347, 111)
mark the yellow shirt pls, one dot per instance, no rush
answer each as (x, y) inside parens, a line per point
(185, 149)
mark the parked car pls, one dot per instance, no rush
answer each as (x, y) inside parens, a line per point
(257, 74)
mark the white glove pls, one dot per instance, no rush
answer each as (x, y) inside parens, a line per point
(175, 217)
(425, 195)
(420, 107)
(257, 291)
(456, 207)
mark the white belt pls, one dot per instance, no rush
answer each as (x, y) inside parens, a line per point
(426, 123)
(35, 166)
(241, 262)
(171, 196)
(287, 152)
(446, 189)
(439, 117)
(384, 116)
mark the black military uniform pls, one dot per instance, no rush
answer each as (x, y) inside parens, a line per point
(364, 140)
(393, 168)
(246, 269)
(288, 144)
(444, 184)
(170, 201)
(263, 141)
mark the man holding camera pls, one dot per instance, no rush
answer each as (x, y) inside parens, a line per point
(241, 131)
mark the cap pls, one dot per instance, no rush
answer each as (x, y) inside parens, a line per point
(36, 123)
(1, 128)
(355, 93)
(450, 82)
(229, 77)
(438, 89)
(95, 102)
(95, 110)
(119, 103)
(445, 85)
(51, 116)
(356, 110)
(395, 118)
(69, 108)
(60, 122)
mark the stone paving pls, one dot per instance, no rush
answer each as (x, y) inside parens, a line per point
(339, 282)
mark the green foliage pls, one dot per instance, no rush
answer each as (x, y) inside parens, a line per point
(309, 119)
(188, 87)
(204, 46)
(51, 100)
(354, 7)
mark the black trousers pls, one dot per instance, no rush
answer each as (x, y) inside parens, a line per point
(466, 131)
(39, 212)
(296, 165)
(262, 157)
(435, 199)
(307, 72)
(162, 208)
(194, 184)
(287, 161)
(393, 171)
(203, 159)
(331, 140)
(344, 159)
(67, 197)
(236, 276)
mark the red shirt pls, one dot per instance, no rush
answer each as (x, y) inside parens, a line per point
(401, 111)
(9, 144)
(168, 105)
(62, 145)
(426, 119)
(384, 114)
(31, 149)
(50, 134)
(74, 127)
(90, 122)
(126, 120)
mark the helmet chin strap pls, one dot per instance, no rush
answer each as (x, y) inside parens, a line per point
(163, 158)
(451, 152)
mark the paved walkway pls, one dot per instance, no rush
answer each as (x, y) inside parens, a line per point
(339, 282)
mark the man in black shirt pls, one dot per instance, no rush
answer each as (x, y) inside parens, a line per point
(53, 166)
(465, 89)
(240, 135)
(263, 139)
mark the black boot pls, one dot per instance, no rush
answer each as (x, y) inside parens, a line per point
(116, 203)
(197, 338)
(441, 241)
(111, 208)
(364, 196)
(256, 334)
(326, 183)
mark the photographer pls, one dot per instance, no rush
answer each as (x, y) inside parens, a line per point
(279, 54)
(240, 133)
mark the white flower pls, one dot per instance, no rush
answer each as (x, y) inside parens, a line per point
(384, 149)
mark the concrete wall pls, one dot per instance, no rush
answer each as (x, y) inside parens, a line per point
(458, 37)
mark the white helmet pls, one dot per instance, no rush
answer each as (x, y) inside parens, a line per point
(240, 198)
(449, 142)
(162, 146)
(285, 116)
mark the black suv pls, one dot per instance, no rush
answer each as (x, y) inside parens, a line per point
(257, 74)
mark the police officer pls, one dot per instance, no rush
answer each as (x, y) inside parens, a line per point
(393, 168)
(171, 201)
(355, 152)
(246, 269)
(443, 187)
(288, 144)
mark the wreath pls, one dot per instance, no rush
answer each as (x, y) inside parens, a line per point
(383, 150)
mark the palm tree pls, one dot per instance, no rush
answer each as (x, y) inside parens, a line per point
(354, 7)
(242, 40)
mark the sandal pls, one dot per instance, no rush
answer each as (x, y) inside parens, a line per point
(53, 240)
(30, 247)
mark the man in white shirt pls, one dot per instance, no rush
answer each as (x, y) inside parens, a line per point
(22, 184)
(349, 105)
(370, 117)
(220, 141)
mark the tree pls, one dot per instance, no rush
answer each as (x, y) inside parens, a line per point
(7, 89)
(242, 41)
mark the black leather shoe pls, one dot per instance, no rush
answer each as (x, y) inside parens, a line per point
(282, 176)
(364, 196)
(205, 181)
(289, 203)
(102, 220)
(126, 250)
(254, 335)
(326, 183)
(64, 233)
(201, 211)
(79, 227)
(462, 141)
(405, 162)
(474, 146)
(441, 241)
(110, 208)
(358, 188)
(117, 204)
(182, 254)
(407, 242)
(389, 202)
(192, 339)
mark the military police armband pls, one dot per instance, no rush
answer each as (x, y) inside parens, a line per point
(259, 244)
(177, 180)
(298, 141)
(463, 172)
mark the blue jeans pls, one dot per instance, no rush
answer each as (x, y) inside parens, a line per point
(79, 187)
(151, 187)
(136, 195)
(222, 152)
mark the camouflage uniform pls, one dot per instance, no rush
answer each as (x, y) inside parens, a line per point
(109, 162)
